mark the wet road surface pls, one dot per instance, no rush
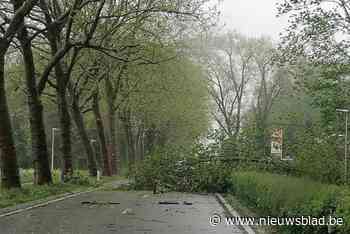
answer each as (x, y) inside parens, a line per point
(121, 212)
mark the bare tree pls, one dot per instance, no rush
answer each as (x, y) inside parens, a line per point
(229, 70)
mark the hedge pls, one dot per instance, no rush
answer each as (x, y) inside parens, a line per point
(284, 196)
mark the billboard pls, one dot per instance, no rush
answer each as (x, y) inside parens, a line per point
(277, 141)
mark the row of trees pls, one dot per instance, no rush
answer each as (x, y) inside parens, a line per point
(73, 54)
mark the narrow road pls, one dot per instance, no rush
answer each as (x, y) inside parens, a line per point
(121, 212)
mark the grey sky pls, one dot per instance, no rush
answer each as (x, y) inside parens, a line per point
(253, 17)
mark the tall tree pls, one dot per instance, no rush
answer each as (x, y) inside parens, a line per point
(268, 89)
(78, 118)
(230, 68)
(9, 28)
(38, 135)
(107, 169)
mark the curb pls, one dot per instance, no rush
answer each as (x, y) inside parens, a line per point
(232, 212)
(38, 204)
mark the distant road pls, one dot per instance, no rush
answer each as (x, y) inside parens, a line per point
(137, 213)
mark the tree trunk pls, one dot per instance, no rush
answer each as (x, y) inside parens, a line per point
(9, 170)
(110, 96)
(101, 134)
(37, 128)
(63, 109)
(131, 144)
(113, 140)
(79, 122)
(65, 123)
(238, 118)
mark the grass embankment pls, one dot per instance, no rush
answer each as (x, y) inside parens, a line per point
(282, 196)
(29, 192)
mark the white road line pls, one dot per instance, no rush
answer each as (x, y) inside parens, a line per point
(45, 203)
(55, 200)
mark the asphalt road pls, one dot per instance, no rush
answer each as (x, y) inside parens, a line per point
(137, 213)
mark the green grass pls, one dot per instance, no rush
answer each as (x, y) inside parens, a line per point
(27, 175)
(32, 193)
(29, 192)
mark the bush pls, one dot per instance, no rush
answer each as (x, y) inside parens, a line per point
(282, 196)
(319, 157)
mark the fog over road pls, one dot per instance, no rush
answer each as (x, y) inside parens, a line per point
(121, 212)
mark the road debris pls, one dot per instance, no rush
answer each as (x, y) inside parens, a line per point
(99, 203)
(128, 211)
(175, 203)
(168, 203)
(188, 203)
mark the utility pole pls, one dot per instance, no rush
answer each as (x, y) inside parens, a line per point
(93, 142)
(346, 111)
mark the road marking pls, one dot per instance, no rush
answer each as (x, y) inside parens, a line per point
(56, 200)
(232, 212)
(45, 203)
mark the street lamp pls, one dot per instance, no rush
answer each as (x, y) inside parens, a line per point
(93, 142)
(346, 111)
(53, 147)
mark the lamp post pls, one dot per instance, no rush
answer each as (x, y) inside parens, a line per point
(53, 147)
(346, 111)
(93, 142)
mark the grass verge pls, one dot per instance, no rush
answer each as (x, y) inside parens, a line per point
(29, 192)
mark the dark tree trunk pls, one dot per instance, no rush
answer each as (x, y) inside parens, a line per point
(79, 122)
(101, 135)
(9, 170)
(63, 109)
(110, 96)
(37, 128)
(238, 120)
(65, 130)
(63, 114)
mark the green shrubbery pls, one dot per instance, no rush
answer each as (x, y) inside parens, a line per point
(319, 156)
(282, 196)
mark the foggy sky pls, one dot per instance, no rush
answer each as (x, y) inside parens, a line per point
(253, 17)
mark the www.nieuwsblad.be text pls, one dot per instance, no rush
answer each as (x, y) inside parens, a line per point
(216, 220)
